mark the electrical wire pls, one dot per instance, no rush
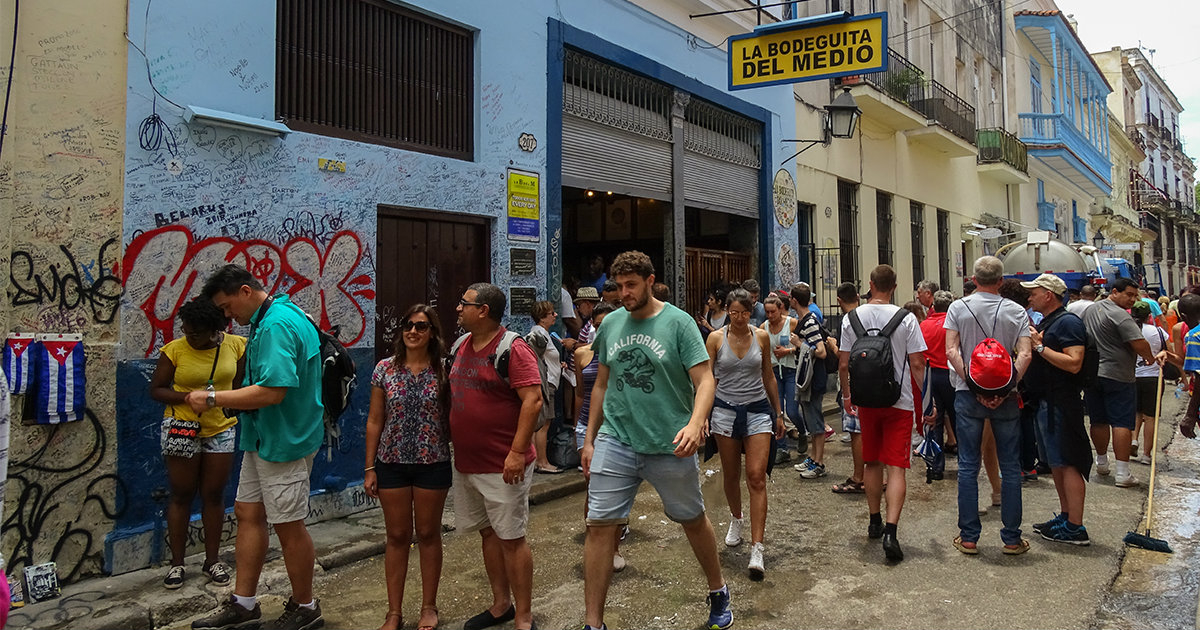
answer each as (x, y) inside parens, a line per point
(12, 61)
(153, 131)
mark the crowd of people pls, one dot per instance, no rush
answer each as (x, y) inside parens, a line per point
(1000, 377)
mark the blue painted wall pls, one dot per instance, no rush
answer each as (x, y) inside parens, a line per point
(223, 195)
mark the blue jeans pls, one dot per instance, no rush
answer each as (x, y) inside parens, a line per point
(1006, 427)
(785, 379)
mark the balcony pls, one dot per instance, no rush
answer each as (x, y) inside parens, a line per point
(1002, 156)
(885, 97)
(1136, 137)
(1054, 139)
(1146, 197)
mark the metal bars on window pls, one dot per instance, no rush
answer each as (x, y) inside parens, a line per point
(372, 71)
(883, 225)
(916, 212)
(847, 198)
(596, 91)
(722, 134)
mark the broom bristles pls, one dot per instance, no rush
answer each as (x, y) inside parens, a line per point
(1147, 542)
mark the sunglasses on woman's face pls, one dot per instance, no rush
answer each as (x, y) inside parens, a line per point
(411, 325)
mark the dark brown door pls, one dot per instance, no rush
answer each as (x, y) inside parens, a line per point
(426, 257)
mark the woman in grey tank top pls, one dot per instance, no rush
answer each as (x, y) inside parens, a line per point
(745, 416)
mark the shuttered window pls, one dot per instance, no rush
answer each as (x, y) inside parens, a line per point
(916, 212)
(372, 71)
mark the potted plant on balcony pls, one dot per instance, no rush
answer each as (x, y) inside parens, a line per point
(900, 84)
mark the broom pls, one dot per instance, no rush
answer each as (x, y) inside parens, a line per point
(1146, 541)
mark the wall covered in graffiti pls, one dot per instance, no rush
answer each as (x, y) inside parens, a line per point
(60, 208)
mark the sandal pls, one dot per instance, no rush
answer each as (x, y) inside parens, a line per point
(399, 618)
(968, 548)
(849, 486)
(435, 614)
(1017, 549)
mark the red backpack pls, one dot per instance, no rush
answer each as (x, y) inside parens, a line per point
(990, 369)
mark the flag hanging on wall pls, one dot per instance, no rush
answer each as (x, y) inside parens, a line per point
(17, 364)
(60, 381)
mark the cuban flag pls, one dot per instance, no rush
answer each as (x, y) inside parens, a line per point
(60, 381)
(17, 367)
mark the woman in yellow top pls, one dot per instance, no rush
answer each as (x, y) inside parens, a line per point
(205, 355)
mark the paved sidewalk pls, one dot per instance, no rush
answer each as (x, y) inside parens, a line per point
(138, 601)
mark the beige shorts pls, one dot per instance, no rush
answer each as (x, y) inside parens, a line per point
(282, 487)
(484, 500)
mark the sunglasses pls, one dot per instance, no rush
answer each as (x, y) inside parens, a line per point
(411, 325)
(466, 303)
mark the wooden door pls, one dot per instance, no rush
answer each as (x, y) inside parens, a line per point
(426, 257)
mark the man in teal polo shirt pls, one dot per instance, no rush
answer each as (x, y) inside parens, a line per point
(281, 431)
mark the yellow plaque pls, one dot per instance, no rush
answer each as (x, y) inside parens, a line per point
(810, 51)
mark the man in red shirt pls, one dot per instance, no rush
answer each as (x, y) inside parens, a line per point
(934, 331)
(492, 417)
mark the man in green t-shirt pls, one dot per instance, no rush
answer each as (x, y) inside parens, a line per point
(281, 429)
(653, 393)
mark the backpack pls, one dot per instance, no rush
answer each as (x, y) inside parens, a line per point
(990, 369)
(873, 381)
(338, 381)
(500, 362)
(540, 345)
(831, 358)
(1090, 368)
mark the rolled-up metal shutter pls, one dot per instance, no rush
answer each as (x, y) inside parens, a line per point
(616, 131)
(721, 160)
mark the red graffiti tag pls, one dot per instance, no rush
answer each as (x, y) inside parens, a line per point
(163, 268)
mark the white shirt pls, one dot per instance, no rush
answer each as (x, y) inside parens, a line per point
(1079, 306)
(1155, 336)
(905, 341)
(567, 310)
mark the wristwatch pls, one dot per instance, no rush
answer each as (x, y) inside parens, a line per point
(211, 399)
(1039, 348)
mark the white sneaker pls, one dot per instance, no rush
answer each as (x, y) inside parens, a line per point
(1142, 459)
(983, 509)
(734, 537)
(1128, 481)
(1102, 469)
(846, 438)
(756, 562)
(618, 562)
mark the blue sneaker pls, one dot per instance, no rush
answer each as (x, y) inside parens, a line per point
(1067, 533)
(720, 616)
(1046, 526)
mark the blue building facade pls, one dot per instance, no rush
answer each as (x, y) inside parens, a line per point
(306, 211)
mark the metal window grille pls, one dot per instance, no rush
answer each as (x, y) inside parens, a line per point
(883, 225)
(916, 211)
(848, 229)
(722, 134)
(372, 71)
(943, 245)
(602, 93)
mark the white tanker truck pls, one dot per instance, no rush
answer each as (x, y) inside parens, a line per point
(1040, 254)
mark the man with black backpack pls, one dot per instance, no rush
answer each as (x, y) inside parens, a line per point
(880, 359)
(987, 346)
(281, 430)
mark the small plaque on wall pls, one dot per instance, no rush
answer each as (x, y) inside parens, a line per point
(522, 261)
(521, 300)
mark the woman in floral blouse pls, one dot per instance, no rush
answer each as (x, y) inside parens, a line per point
(408, 457)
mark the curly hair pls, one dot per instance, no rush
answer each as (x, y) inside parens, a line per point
(202, 315)
(632, 262)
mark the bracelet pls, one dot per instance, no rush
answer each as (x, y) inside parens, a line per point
(368, 469)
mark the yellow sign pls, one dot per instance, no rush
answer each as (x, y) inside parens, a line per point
(811, 51)
(524, 206)
(332, 166)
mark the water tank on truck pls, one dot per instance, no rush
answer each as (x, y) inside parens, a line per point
(1041, 254)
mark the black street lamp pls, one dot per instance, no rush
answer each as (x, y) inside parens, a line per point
(839, 121)
(1098, 240)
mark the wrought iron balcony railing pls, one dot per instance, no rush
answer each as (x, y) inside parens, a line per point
(998, 145)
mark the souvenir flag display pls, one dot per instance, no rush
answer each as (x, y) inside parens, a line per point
(17, 367)
(59, 382)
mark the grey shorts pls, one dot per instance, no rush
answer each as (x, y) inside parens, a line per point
(617, 472)
(223, 442)
(282, 487)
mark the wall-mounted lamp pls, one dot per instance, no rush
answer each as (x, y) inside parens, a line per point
(191, 113)
(839, 121)
(1098, 240)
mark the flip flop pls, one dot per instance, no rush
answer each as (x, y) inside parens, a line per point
(435, 612)
(849, 487)
(962, 546)
(1017, 549)
(549, 471)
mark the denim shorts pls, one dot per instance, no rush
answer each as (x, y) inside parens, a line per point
(617, 472)
(721, 422)
(1049, 434)
(1112, 402)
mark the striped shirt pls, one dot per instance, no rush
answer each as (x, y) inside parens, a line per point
(1191, 357)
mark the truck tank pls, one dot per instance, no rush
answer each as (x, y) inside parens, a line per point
(1040, 254)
